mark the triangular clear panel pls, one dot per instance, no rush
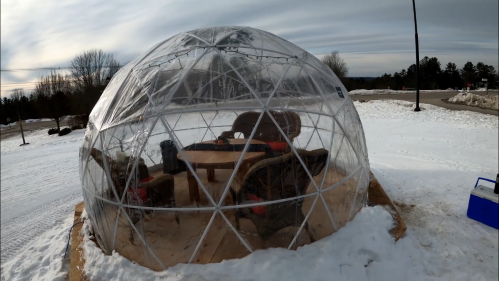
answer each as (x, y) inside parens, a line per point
(174, 236)
(340, 198)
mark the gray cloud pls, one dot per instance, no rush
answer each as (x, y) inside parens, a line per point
(374, 37)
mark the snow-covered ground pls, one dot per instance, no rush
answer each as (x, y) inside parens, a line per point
(37, 120)
(363, 92)
(426, 161)
(8, 126)
(2, 126)
(39, 189)
(490, 102)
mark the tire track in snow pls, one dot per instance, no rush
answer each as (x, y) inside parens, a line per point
(40, 187)
(19, 232)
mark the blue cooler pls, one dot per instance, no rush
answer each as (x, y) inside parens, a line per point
(484, 204)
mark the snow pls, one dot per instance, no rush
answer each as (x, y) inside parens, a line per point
(42, 260)
(490, 102)
(8, 126)
(40, 188)
(351, 254)
(363, 92)
(427, 162)
(37, 120)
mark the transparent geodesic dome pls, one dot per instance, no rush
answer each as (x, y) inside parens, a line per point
(218, 142)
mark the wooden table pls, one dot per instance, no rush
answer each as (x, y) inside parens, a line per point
(211, 160)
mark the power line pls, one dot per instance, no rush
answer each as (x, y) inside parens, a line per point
(19, 83)
(34, 69)
(50, 68)
(27, 85)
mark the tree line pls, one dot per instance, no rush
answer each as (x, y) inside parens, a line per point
(57, 95)
(431, 75)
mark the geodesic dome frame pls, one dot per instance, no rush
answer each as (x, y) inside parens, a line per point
(187, 92)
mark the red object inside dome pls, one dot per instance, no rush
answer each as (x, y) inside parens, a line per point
(259, 210)
(277, 145)
(140, 193)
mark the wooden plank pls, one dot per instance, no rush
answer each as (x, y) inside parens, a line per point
(230, 247)
(77, 261)
(378, 197)
(212, 241)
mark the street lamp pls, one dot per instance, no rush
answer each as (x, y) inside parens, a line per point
(417, 57)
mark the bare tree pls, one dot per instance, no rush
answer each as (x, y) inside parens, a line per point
(52, 96)
(336, 63)
(17, 97)
(17, 94)
(91, 71)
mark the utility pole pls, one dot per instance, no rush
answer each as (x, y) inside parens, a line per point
(22, 133)
(417, 57)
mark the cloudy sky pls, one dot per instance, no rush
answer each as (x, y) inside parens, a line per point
(374, 37)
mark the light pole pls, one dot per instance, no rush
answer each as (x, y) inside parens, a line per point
(417, 57)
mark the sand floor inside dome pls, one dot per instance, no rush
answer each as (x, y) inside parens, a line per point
(174, 243)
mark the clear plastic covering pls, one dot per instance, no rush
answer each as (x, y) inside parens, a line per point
(218, 142)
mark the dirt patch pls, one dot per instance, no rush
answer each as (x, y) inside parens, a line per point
(414, 215)
(403, 207)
